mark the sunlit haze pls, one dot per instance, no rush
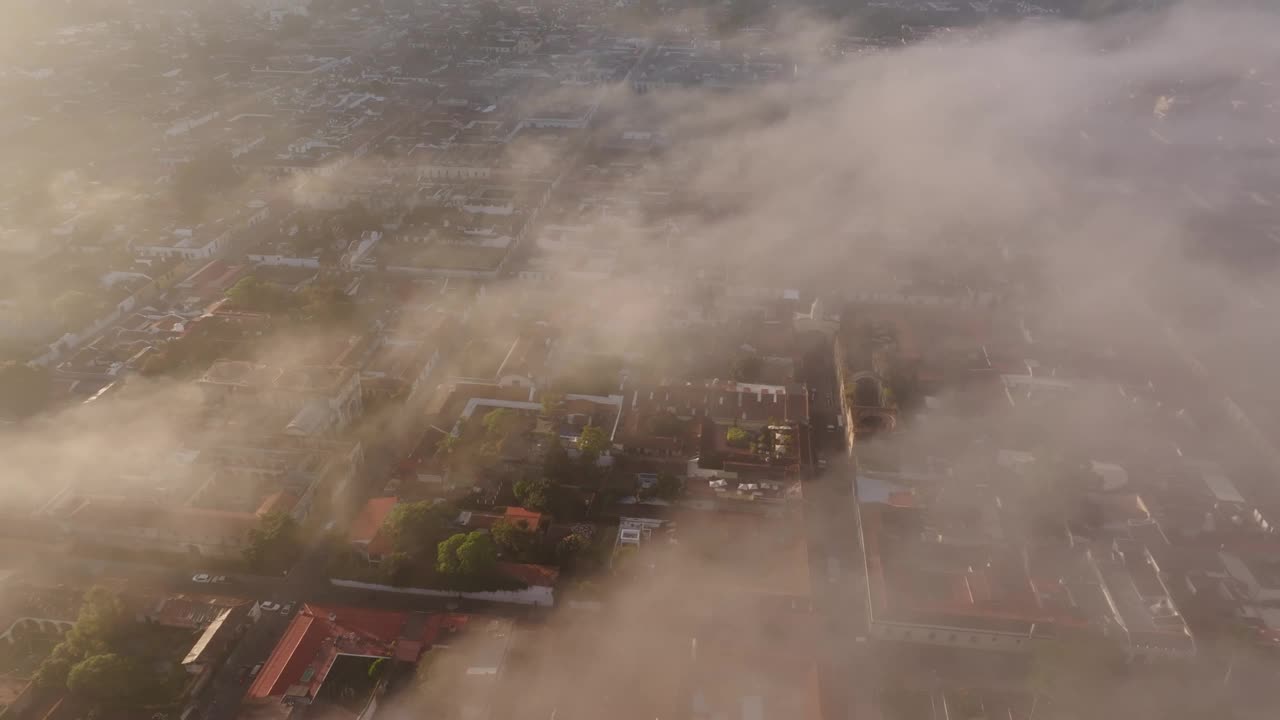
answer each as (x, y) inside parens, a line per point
(639, 359)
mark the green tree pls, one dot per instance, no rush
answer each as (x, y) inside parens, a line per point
(105, 678)
(99, 625)
(669, 487)
(478, 555)
(397, 569)
(327, 304)
(532, 493)
(737, 437)
(377, 669)
(275, 544)
(101, 622)
(253, 295)
(447, 561)
(416, 527)
(447, 445)
(246, 293)
(556, 464)
(499, 423)
(471, 554)
(592, 443)
(53, 672)
(517, 540)
(569, 551)
(553, 406)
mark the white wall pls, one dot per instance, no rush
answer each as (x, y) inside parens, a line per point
(539, 595)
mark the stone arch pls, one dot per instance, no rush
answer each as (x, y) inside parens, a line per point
(868, 389)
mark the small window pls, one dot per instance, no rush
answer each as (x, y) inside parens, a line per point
(953, 637)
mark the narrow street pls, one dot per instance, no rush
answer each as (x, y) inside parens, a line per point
(835, 560)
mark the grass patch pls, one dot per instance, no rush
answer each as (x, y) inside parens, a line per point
(21, 657)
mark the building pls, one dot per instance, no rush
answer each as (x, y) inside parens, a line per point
(319, 400)
(325, 654)
(129, 525)
(208, 240)
(727, 403)
(943, 568)
(367, 533)
(205, 501)
(398, 368)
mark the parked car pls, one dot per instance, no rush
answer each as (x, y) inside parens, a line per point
(269, 606)
(220, 580)
(202, 578)
(256, 669)
(288, 608)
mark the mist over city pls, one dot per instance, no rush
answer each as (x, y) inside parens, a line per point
(487, 360)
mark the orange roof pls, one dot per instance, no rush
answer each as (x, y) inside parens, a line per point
(366, 526)
(529, 574)
(318, 634)
(300, 643)
(514, 514)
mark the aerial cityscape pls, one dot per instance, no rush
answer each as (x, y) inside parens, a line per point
(639, 360)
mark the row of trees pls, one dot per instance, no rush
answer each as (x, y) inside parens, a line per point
(275, 545)
(471, 555)
(424, 541)
(92, 660)
(320, 302)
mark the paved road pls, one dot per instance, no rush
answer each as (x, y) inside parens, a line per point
(848, 679)
(221, 699)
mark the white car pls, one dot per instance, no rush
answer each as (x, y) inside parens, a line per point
(219, 579)
(269, 606)
(201, 578)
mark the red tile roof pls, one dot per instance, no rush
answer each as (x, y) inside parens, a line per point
(514, 514)
(532, 575)
(318, 634)
(366, 526)
(299, 645)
